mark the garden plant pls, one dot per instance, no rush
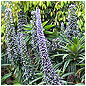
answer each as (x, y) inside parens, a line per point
(42, 42)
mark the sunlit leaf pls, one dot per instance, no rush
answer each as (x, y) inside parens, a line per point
(6, 76)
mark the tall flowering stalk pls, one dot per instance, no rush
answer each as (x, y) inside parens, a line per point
(50, 76)
(22, 49)
(33, 31)
(16, 46)
(8, 30)
(10, 36)
(71, 30)
(72, 27)
(34, 39)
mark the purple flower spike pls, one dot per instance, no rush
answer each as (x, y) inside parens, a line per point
(47, 66)
(72, 29)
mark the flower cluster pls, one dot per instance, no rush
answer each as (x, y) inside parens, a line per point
(16, 45)
(22, 20)
(8, 31)
(57, 42)
(35, 51)
(10, 36)
(50, 76)
(72, 27)
(71, 31)
(22, 49)
(34, 32)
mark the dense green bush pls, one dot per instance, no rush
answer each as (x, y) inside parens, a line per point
(63, 25)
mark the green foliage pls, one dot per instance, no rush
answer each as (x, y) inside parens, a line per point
(74, 56)
(36, 80)
(67, 60)
(66, 64)
(17, 83)
(75, 48)
(64, 75)
(80, 84)
(6, 76)
(48, 27)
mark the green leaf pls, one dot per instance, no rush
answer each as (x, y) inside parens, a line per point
(2, 55)
(27, 5)
(57, 65)
(58, 71)
(81, 47)
(66, 74)
(42, 83)
(2, 28)
(80, 64)
(62, 3)
(29, 32)
(70, 49)
(82, 61)
(48, 3)
(56, 5)
(62, 50)
(28, 27)
(75, 39)
(35, 80)
(48, 27)
(74, 49)
(80, 84)
(39, 74)
(5, 64)
(81, 70)
(65, 55)
(17, 83)
(82, 39)
(66, 64)
(44, 23)
(58, 55)
(79, 13)
(48, 32)
(82, 58)
(44, 6)
(6, 76)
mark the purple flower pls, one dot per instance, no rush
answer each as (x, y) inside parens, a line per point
(10, 34)
(47, 66)
(34, 44)
(16, 45)
(22, 49)
(72, 29)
